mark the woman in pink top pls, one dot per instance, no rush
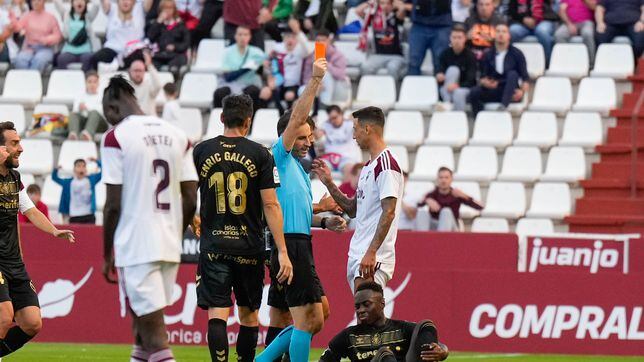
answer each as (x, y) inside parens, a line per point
(577, 19)
(42, 34)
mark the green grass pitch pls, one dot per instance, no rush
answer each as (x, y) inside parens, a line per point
(114, 352)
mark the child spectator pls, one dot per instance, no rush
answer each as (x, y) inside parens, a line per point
(171, 107)
(78, 199)
(170, 35)
(86, 118)
(33, 191)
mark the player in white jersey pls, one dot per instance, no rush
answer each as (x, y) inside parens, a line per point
(151, 198)
(376, 206)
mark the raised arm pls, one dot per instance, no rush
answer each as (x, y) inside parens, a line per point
(273, 213)
(106, 5)
(349, 205)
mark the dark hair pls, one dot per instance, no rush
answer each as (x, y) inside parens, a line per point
(502, 23)
(33, 188)
(370, 114)
(79, 161)
(243, 27)
(82, 17)
(5, 126)
(443, 168)
(237, 108)
(458, 27)
(91, 73)
(373, 286)
(119, 88)
(286, 117)
(170, 88)
(332, 108)
(323, 32)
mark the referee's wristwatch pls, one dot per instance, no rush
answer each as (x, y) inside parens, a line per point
(323, 223)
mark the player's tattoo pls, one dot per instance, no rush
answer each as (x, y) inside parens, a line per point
(348, 204)
(386, 218)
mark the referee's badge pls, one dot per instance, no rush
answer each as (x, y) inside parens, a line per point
(276, 175)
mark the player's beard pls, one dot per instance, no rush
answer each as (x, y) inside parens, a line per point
(8, 163)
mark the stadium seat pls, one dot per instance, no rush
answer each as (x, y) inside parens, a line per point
(490, 225)
(537, 129)
(27, 179)
(400, 152)
(472, 189)
(191, 122)
(164, 77)
(210, 56)
(417, 190)
(521, 164)
(100, 196)
(448, 128)
(477, 163)
(404, 128)
(535, 58)
(23, 87)
(596, 95)
(65, 86)
(550, 200)
(264, 128)
(376, 90)
(569, 60)
(51, 193)
(427, 68)
(505, 199)
(37, 157)
(355, 57)
(583, 129)
(70, 151)
(52, 108)
(553, 94)
(418, 93)
(614, 61)
(515, 108)
(534, 226)
(492, 129)
(197, 90)
(318, 189)
(215, 126)
(566, 164)
(429, 159)
(14, 113)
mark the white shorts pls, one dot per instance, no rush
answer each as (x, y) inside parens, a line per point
(148, 287)
(384, 273)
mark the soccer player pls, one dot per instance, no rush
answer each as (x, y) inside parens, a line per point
(18, 298)
(304, 299)
(151, 198)
(377, 203)
(379, 339)
(237, 181)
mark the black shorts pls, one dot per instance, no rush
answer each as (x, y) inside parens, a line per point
(305, 287)
(219, 275)
(20, 292)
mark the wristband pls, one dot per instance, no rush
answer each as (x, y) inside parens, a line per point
(323, 223)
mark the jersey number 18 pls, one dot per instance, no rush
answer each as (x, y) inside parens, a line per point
(237, 183)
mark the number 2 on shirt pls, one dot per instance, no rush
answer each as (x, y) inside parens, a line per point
(164, 168)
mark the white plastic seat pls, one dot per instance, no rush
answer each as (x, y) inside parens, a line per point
(215, 126)
(52, 108)
(197, 90)
(191, 122)
(210, 56)
(355, 57)
(27, 179)
(14, 113)
(534, 226)
(100, 196)
(400, 152)
(473, 190)
(550, 200)
(521, 164)
(515, 108)
(376, 90)
(318, 189)
(569, 60)
(537, 129)
(427, 68)
(552, 94)
(492, 129)
(65, 86)
(567, 164)
(37, 157)
(264, 128)
(477, 163)
(583, 129)
(404, 128)
(164, 77)
(505, 199)
(429, 159)
(71, 151)
(490, 225)
(614, 61)
(417, 190)
(448, 128)
(23, 87)
(418, 93)
(535, 58)
(51, 193)
(596, 95)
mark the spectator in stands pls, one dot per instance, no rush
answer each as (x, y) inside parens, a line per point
(6, 31)
(407, 219)
(577, 19)
(279, 20)
(480, 27)
(78, 198)
(17, 9)
(336, 134)
(350, 186)
(533, 17)
(241, 64)
(317, 15)
(387, 49)
(42, 35)
(211, 12)
(461, 10)
(146, 90)
(431, 24)
(336, 68)
(77, 32)
(250, 14)
(124, 33)
(456, 71)
(189, 11)
(171, 107)
(87, 118)
(445, 202)
(170, 35)
(621, 17)
(34, 193)
(504, 74)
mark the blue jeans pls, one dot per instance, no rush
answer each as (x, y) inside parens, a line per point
(544, 31)
(423, 37)
(34, 57)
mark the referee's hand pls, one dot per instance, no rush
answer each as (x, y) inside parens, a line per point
(286, 269)
(3, 154)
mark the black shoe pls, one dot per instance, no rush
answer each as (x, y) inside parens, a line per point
(384, 354)
(413, 355)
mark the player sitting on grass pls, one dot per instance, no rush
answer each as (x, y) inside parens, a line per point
(379, 339)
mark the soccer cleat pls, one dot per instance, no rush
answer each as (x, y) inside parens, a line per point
(415, 346)
(384, 354)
